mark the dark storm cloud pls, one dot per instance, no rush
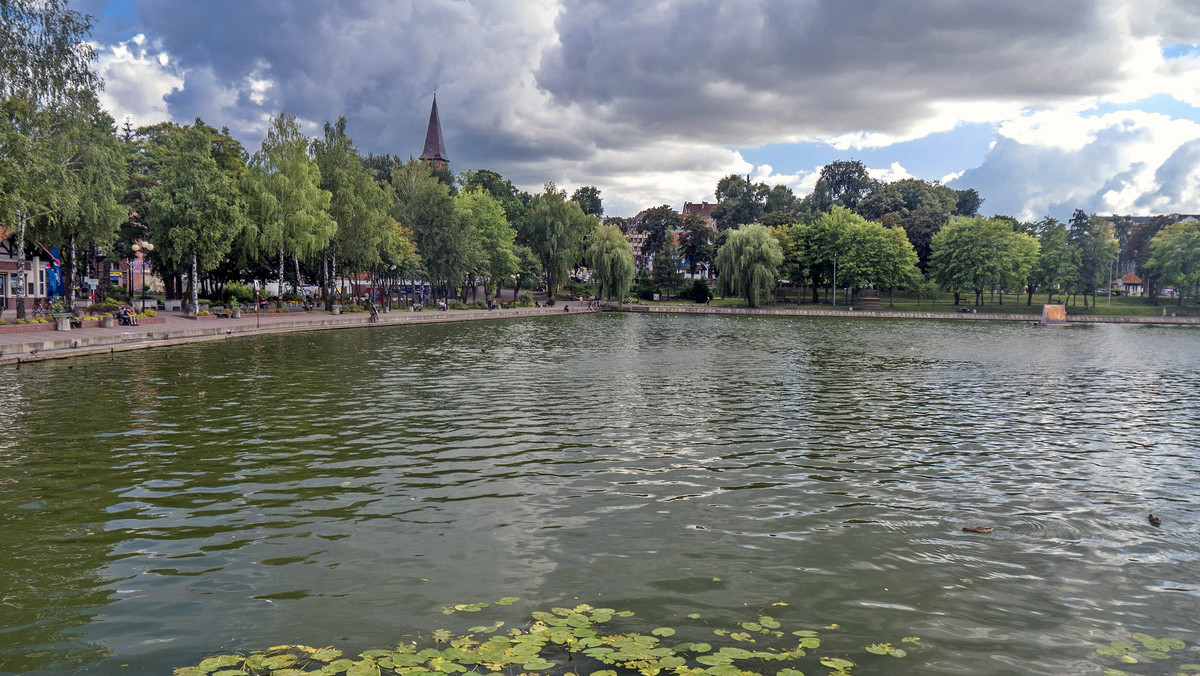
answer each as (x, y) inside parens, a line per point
(709, 67)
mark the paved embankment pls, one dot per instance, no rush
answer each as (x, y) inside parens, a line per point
(173, 329)
(888, 314)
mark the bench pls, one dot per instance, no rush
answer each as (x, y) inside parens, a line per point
(67, 321)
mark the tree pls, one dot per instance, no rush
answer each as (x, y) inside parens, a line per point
(748, 264)
(93, 179)
(514, 201)
(610, 258)
(358, 207)
(1137, 248)
(196, 208)
(1057, 265)
(920, 207)
(739, 202)
(980, 254)
(494, 235)
(696, 242)
(289, 209)
(556, 228)
(1093, 237)
(666, 274)
(780, 199)
(659, 225)
(529, 269)
(1175, 257)
(424, 205)
(588, 199)
(846, 183)
(44, 66)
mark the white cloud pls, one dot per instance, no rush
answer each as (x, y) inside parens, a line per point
(138, 77)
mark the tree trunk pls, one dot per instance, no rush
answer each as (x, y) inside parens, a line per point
(193, 283)
(68, 270)
(296, 285)
(22, 278)
(956, 299)
(280, 290)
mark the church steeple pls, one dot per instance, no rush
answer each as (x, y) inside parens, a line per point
(435, 148)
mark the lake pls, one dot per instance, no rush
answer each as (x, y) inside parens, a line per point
(343, 487)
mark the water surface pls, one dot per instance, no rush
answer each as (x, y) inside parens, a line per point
(342, 487)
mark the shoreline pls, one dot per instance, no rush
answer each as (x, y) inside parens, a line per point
(174, 329)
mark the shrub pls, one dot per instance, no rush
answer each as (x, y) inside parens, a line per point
(243, 293)
(526, 300)
(698, 291)
(148, 313)
(478, 305)
(456, 305)
(118, 294)
(643, 287)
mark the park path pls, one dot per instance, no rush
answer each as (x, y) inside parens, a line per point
(172, 328)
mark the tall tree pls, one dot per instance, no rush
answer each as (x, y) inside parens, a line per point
(980, 254)
(1093, 237)
(556, 228)
(697, 242)
(748, 264)
(196, 209)
(659, 225)
(1057, 266)
(45, 62)
(485, 215)
(358, 206)
(1175, 257)
(920, 207)
(739, 202)
(92, 184)
(846, 182)
(290, 210)
(514, 201)
(610, 258)
(588, 199)
(424, 205)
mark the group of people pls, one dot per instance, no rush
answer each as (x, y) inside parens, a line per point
(126, 316)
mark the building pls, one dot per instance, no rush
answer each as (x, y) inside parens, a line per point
(435, 148)
(10, 278)
(1129, 285)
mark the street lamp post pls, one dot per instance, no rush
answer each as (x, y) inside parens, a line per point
(145, 247)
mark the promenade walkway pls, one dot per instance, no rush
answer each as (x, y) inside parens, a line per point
(172, 328)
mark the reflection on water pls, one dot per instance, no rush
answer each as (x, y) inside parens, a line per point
(341, 487)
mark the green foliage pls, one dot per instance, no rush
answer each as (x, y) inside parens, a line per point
(358, 203)
(748, 264)
(659, 226)
(610, 258)
(979, 254)
(525, 300)
(556, 230)
(696, 242)
(1147, 648)
(739, 202)
(242, 293)
(425, 206)
(588, 199)
(561, 640)
(698, 291)
(494, 236)
(1175, 256)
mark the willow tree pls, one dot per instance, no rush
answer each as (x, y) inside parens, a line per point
(358, 206)
(289, 209)
(610, 258)
(45, 62)
(196, 208)
(91, 182)
(556, 229)
(748, 264)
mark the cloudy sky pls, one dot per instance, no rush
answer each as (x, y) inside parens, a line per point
(1043, 107)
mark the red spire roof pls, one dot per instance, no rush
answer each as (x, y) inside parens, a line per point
(435, 148)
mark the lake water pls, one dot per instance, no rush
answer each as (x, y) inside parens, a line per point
(343, 487)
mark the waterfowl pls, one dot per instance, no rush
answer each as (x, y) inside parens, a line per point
(1154, 520)
(978, 529)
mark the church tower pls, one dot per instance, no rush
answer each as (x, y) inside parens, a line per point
(435, 147)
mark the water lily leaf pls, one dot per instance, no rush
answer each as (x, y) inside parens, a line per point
(231, 672)
(288, 672)
(672, 662)
(751, 626)
(897, 652)
(664, 632)
(714, 660)
(1189, 667)
(832, 626)
(214, 663)
(789, 672)
(910, 639)
(190, 671)
(507, 601)
(768, 622)
(735, 653)
(693, 616)
(1156, 655)
(605, 672)
(442, 635)
(742, 636)
(836, 663)
(537, 665)
(810, 643)
(879, 648)
(805, 633)
(362, 669)
(723, 670)
(624, 613)
(1128, 659)
(279, 662)
(1114, 672)
(701, 647)
(326, 654)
